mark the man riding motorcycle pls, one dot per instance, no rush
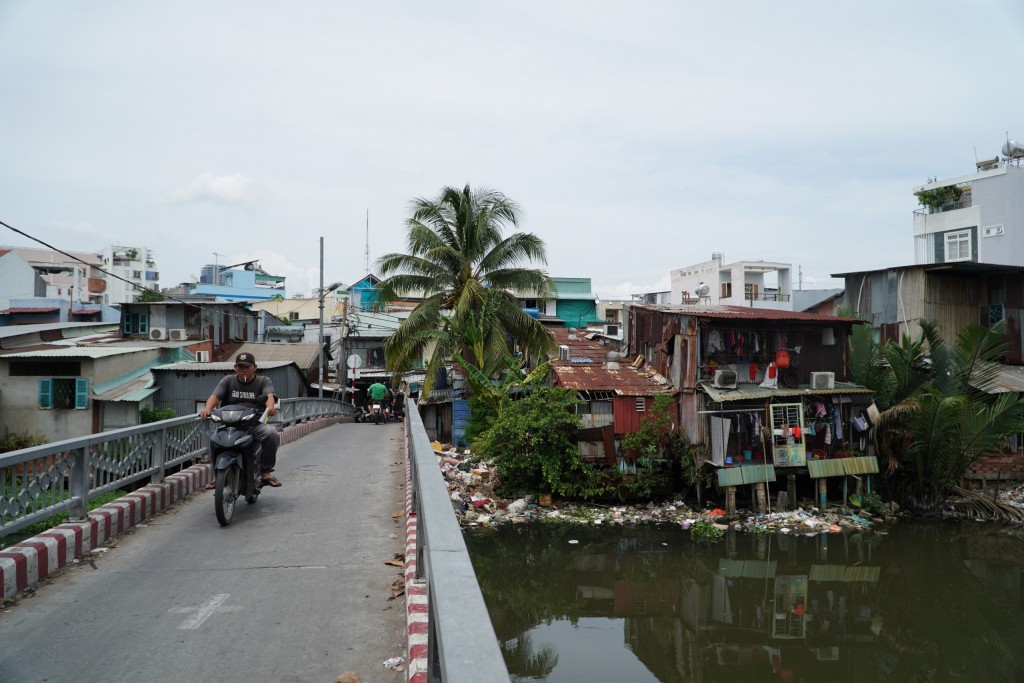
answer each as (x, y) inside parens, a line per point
(244, 388)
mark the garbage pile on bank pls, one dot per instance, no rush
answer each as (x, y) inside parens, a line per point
(1013, 496)
(471, 489)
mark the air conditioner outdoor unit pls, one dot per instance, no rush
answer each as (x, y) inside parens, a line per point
(202, 356)
(611, 329)
(725, 379)
(178, 334)
(563, 352)
(823, 380)
(157, 333)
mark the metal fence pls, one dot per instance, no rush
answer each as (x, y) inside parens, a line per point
(39, 482)
(461, 643)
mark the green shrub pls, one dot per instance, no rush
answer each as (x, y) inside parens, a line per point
(151, 414)
(873, 504)
(15, 441)
(533, 447)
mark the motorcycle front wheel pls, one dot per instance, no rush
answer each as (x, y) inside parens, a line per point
(224, 495)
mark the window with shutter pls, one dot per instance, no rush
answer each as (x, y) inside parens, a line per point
(46, 394)
(81, 393)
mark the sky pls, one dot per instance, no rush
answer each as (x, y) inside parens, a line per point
(638, 138)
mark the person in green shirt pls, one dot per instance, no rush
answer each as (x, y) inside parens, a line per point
(379, 392)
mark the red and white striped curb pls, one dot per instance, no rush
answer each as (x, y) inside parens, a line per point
(415, 590)
(24, 564)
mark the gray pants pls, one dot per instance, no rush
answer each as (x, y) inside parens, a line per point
(270, 439)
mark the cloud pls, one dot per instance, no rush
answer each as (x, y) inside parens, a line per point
(73, 235)
(233, 188)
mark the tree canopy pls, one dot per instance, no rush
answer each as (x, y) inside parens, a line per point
(468, 274)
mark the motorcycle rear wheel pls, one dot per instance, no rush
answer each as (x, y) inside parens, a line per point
(224, 495)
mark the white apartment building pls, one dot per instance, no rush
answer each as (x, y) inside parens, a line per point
(134, 264)
(977, 217)
(756, 284)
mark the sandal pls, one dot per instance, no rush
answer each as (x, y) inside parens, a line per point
(210, 485)
(271, 481)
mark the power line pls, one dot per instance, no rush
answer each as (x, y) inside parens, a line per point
(118, 277)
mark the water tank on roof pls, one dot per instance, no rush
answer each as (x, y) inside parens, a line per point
(532, 312)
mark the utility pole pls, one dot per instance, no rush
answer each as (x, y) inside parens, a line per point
(321, 383)
(366, 253)
(343, 369)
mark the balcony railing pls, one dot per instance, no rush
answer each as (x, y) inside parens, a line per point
(770, 296)
(962, 203)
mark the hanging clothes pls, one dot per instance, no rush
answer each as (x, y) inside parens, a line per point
(715, 342)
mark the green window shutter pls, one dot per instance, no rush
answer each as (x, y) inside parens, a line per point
(81, 393)
(46, 393)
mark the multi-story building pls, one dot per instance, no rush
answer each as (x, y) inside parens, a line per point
(248, 283)
(976, 217)
(210, 274)
(755, 284)
(137, 268)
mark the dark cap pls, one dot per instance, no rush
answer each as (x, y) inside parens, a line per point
(245, 359)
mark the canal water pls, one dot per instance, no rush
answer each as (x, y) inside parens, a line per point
(926, 601)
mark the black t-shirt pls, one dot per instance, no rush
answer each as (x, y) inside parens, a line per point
(230, 391)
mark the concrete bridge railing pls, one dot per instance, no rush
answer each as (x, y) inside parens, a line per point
(461, 644)
(39, 482)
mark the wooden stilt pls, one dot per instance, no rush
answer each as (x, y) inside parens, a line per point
(791, 488)
(822, 494)
(730, 500)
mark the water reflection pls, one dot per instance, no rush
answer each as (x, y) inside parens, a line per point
(927, 602)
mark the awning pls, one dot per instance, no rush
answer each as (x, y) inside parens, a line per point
(751, 392)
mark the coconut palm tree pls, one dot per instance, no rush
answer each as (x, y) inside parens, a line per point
(467, 272)
(936, 416)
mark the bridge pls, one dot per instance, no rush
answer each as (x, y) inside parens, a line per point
(302, 586)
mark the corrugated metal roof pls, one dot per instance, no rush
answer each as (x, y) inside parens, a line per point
(26, 309)
(754, 392)
(305, 355)
(1007, 378)
(744, 313)
(79, 352)
(72, 329)
(132, 390)
(969, 267)
(222, 366)
(625, 381)
(585, 370)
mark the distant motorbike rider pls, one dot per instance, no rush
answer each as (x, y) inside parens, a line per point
(244, 388)
(381, 394)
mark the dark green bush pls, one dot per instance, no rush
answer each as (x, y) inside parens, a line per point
(533, 447)
(151, 414)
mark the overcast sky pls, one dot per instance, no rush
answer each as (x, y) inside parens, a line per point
(638, 137)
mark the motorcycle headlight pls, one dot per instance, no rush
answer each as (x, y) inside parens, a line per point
(232, 414)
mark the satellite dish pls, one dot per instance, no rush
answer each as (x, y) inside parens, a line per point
(1013, 150)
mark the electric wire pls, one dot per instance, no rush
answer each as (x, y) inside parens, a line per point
(129, 282)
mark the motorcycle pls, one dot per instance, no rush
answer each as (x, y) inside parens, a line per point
(377, 413)
(235, 454)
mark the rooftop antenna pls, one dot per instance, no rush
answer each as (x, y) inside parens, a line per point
(216, 269)
(366, 254)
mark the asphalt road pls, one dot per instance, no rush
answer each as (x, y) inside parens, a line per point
(295, 589)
